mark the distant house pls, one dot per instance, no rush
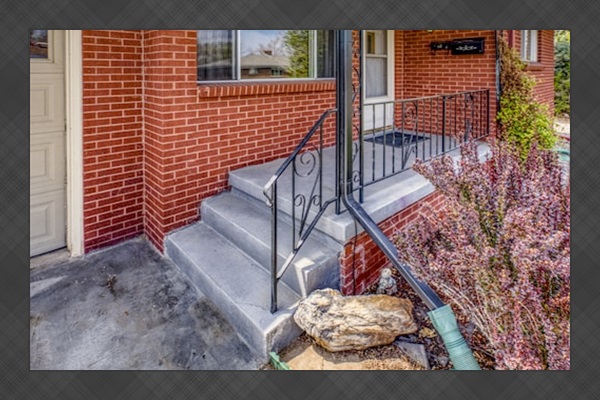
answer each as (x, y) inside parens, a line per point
(257, 66)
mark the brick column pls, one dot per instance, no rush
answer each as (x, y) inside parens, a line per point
(170, 99)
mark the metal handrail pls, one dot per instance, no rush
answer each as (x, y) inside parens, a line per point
(315, 198)
(470, 118)
(269, 185)
(432, 125)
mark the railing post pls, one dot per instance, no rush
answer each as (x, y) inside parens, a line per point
(344, 117)
(361, 139)
(488, 112)
(274, 249)
(465, 119)
(338, 139)
(344, 82)
(443, 124)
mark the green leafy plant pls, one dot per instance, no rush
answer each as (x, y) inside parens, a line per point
(499, 252)
(562, 75)
(296, 42)
(521, 119)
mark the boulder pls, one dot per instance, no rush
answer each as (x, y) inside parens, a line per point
(339, 322)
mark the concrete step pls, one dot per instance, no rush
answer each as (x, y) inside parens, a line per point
(381, 200)
(252, 179)
(247, 224)
(237, 285)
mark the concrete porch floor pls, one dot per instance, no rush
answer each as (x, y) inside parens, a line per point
(149, 318)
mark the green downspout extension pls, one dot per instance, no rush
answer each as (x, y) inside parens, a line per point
(444, 322)
(277, 363)
(441, 315)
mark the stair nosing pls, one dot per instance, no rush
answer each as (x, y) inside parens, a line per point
(262, 326)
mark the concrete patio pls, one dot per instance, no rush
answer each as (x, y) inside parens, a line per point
(123, 308)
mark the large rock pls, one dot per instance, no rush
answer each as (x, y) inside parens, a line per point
(339, 322)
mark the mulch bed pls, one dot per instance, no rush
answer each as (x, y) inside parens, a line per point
(381, 357)
(427, 336)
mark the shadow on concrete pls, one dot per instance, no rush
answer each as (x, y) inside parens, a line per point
(123, 308)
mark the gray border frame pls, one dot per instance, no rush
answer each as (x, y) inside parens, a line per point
(18, 16)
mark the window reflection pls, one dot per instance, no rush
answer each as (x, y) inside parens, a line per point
(38, 44)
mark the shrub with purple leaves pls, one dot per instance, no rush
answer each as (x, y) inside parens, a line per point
(499, 251)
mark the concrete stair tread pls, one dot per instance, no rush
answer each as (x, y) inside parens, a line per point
(254, 218)
(247, 224)
(382, 199)
(236, 284)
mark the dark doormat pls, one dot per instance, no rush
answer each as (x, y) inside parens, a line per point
(397, 139)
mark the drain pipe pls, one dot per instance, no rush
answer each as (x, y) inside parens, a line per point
(441, 315)
(497, 37)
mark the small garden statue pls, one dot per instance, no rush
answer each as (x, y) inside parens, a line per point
(387, 284)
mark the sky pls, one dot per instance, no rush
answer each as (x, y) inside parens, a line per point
(251, 39)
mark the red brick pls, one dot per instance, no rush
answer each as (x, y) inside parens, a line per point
(198, 133)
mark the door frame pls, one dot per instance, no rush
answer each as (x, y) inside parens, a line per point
(74, 140)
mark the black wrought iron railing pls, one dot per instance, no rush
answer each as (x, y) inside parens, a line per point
(393, 134)
(389, 136)
(304, 164)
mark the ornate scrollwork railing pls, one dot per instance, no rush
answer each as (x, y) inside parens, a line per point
(394, 133)
(305, 164)
(400, 131)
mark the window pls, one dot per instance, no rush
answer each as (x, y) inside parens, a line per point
(529, 46)
(225, 55)
(376, 64)
(378, 79)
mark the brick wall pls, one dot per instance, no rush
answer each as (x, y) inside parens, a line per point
(167, 92)
(361, 260)
(428, 74)
(543, 69)
(112, 137)
(156, 143)
(196, 134)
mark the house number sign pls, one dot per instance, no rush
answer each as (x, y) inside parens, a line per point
(467, 46)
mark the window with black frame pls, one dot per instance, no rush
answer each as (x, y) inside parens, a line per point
(225, 55)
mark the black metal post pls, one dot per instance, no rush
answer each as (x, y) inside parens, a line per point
(274, 249)
(443, 124)
(488, 112)
(344, 134)
(338, 138)
(344, 104)
(344, 86)
(361, 107)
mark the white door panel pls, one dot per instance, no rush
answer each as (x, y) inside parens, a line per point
(47, 189)
(46, 162)
(46, 225)
(47, 102)
(378, 80)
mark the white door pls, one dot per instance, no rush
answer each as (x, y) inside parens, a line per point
(378, 81)
(47, 185)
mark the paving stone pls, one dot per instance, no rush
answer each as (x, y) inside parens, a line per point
(415, 351)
